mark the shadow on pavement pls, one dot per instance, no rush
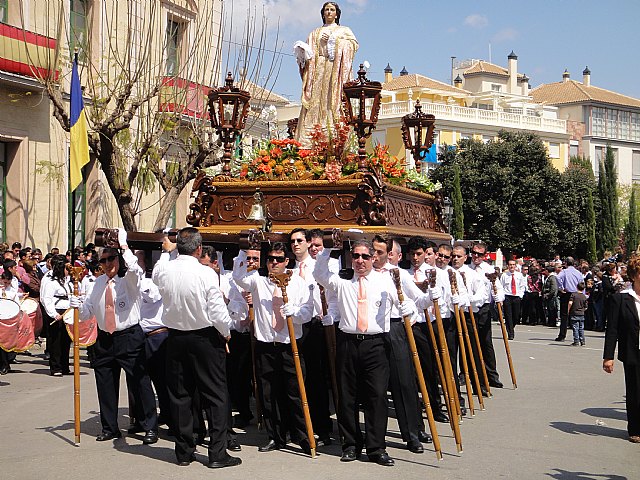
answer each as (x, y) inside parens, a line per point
(613, 413)
(599, 430)
(566, 475)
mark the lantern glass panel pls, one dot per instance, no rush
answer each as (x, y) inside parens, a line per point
(228, 112)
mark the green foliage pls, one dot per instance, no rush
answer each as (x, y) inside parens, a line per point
(592, 251)
(631, 230)
(514, 199)
(457, 223)
(608, 220)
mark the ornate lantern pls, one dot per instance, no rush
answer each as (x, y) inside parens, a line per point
(417, 133)
(228, 108)
(361, 102)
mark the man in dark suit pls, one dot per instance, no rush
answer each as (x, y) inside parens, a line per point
(623, 329)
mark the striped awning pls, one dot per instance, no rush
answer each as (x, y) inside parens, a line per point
(26, 53)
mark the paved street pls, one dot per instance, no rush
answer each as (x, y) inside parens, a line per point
(566, 420)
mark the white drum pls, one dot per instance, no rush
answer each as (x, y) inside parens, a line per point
(8, 309)
(29, 306)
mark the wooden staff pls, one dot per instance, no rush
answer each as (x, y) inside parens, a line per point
(463, 351)
(395, 274)
(474, 328)
(256, 391)
(282, 280)
(493, 278)
(330, 340)
(454, 408)
(75, 273)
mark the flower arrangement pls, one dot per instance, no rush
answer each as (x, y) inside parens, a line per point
(332, 156)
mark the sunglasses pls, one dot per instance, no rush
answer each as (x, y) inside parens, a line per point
(109, 259)
(254, 259)
(365, 256)
(457, 256)
(297, 240)
(477, 253)
(274, 258)
(442, 255)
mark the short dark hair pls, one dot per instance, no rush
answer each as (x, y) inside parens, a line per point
(481, 245)
(338, 11)
(16, 245)
(363, 243)
(387, 241)
(278, 247)
(417, 243)
(58, 263)
(7, 264)
(315, 233)
(581, 285)
(23, 253)
(188, 240)
(6, 275)
(209, 251)
(307, 236)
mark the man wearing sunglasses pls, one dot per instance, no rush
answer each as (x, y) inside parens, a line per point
(115, 302)
(275, 369)
(362, 364)
(483, 316)
(312, 345)
(402, 376)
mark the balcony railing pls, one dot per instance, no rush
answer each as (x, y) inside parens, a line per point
(476, 115)
(26, 53)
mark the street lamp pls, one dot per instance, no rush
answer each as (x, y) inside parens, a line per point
(359, 97)
(447, 212)
(228, 108)
(417, 133)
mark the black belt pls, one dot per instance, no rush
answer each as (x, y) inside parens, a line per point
(361, 336)
(395, 320)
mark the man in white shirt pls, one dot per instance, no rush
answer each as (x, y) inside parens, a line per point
(483, 316)
(362, 364)
(275, 368)
(198, 321)
(115, 302)
(312, 344)
(514, 285)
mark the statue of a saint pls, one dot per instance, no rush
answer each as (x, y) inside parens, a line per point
(325, 65)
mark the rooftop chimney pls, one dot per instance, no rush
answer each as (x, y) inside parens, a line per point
(566, 75)
(388, 74)
(457, 82)
(525, 85)
(586, 77)
(404, 72)
(513, 72)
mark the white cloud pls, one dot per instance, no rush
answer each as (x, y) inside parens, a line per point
(476, 20)
(505, 35)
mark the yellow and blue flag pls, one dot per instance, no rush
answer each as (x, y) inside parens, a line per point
(79, 155)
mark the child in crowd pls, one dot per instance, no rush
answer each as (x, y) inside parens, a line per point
(577, 308)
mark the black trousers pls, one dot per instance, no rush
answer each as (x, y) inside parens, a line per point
(58, 345)
(426, 354)
(123, 350)
(363, 376)
(564, 314)
(403, 385)
(281, 403)
(451, 334)
(196, 361)
(511, 312)
(483, 323)
(240, 372)
(314, 350)
(632, 387)
(156, 355)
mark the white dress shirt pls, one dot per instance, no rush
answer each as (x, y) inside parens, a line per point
(190, 293)
(310, 265)
(485, 269)
(442, 284)
(521, 283)
(381, 296)
(477, 287)
(238, 308)
(50, 291)
(261, 290)
(151, 306)
(126, 296)
(411, 293)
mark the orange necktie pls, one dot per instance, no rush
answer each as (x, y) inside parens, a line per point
(109, 308)
(363, 313)
(277, 320)
(302, 270)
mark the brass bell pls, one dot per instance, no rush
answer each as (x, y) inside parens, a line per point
(256, 214)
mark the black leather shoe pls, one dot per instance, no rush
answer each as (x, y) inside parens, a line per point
(463, 411)
(270, 447)
(228, 462)
(233, 445)
(150, 437)
(424, 437)
(440, 417)
(559, 339)
(323, 441)
(349, 455)
(383, 459)
(106, 436)
(415, 447)
(496, 384)
(186, 463)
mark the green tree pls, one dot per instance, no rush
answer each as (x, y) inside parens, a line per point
(609, 224)
(604, 219)
(457, 224)
(631, 230)
(592, 252)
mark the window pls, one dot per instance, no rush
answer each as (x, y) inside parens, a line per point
(623, 131)
(599, 158)
(597, 122)
(635, 127)
(612, 123)
(554, 150)
(573, 148)
(78, 27)
(3, 190)
(174, 30)
(4, 6)
(77, 213)
(635, 165)
(495, 87)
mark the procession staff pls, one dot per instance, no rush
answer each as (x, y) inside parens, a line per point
(313, 345)
(275, 367)
(75, 273)
(198, 321)
(483, 314)
(494, 280)
(402, 375)
(362, 352)
(115, 303)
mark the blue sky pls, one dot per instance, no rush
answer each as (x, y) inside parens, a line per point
(548, 36)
